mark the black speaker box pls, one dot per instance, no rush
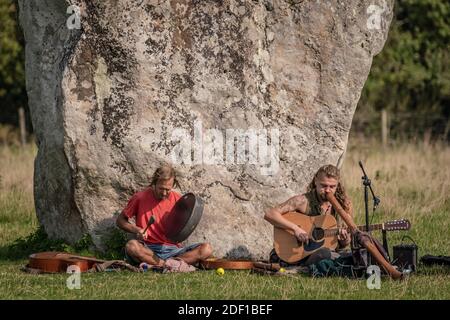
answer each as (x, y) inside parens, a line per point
(405, 256)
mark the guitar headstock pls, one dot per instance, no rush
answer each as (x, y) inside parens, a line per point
(402, 224)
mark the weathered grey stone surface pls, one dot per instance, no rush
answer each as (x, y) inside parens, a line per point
(106, 99)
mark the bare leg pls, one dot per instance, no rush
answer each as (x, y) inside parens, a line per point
(141, 253)
(202, 252)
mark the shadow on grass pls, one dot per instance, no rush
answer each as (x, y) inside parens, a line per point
(39, 241)
(433, 270)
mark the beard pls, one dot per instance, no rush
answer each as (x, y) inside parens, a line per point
(322, 197)
(160, 197)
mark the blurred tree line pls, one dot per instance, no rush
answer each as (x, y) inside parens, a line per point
(12, 65)
(410, 78)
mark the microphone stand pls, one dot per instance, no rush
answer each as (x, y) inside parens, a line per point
(376, 201)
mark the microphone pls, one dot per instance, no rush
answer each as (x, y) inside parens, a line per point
(376, 202)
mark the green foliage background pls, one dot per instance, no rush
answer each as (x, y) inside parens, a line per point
(411, 76)
(12, 64)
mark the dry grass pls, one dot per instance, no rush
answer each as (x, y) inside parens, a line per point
(16, 170)
(17, 215)
(412, 180)
(9, 135)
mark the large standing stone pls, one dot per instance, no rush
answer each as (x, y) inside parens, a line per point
(141, 79)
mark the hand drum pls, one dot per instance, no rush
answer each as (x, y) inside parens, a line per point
(182, 221)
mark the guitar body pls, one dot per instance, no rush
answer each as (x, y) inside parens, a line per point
(290, 250)
(323, 233)
(213, 263)
(54, 262)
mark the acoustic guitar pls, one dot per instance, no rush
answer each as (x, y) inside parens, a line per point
(54, 262)
(323, 233)
(214, 263)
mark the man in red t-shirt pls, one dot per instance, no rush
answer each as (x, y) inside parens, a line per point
(152, 247)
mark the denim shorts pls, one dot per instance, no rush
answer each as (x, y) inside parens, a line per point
(164, 252)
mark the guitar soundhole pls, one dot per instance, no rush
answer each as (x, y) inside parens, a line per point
(318, 234)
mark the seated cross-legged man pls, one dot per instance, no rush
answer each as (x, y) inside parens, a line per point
(151, 245)
(314, 203)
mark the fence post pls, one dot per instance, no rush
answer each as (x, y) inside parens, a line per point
(22, 125)
(384, 127)
(446, 130)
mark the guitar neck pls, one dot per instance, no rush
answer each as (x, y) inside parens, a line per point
(372, 227)
(334, 232)
(86, 258)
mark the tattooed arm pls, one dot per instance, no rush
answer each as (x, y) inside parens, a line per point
(275, 215)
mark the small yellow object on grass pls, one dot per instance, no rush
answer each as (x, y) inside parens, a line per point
(282, 270)
(220, 271)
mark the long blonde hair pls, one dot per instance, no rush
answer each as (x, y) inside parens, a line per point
(331, 171)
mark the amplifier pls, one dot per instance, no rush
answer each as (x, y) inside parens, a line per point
(406, 256)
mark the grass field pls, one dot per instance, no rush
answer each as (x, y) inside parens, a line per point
(413, 182)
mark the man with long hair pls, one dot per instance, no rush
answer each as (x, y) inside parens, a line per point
(314, 202)
(151, 245)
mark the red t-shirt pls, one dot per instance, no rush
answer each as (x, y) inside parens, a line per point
(143, 205)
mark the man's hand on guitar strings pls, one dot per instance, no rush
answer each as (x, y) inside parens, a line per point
(301, 235)
(344, 236)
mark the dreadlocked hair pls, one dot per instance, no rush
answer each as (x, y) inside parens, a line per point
(331, 171)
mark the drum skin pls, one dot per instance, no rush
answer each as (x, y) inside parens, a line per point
(184, 218)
